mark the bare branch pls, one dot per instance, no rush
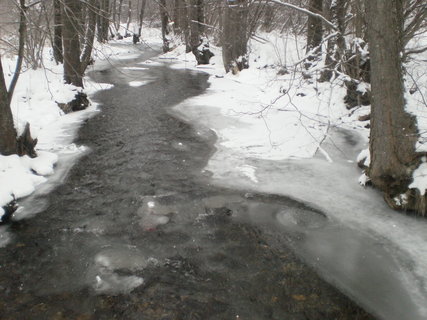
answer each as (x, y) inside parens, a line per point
(22, 32)
(308, 12)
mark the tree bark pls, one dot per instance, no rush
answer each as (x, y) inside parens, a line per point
(141, 16)
(57, 32)
(73, 73)
(119, 15)
(103, 20)
(129, 17)
(235, 35)
(164, 20)
(393, 130)
(8, 144)
(21, 47)
(196, 15)
(89, 34)
(201, 51)
(176, 17)
(314, 25)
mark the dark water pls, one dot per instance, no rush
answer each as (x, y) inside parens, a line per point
(137, 232)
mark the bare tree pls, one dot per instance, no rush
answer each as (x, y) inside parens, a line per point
(164, 19)
(314, 25)
(9, 142)
(129, 18)
(235, 35)
(103, 20)
(57, 32)
(141, 16)
(73, 72)
(89, 36)
(393, 130)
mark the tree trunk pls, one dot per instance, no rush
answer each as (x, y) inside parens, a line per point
(314, 25)
(201, 51)
(393, 130)
(114, 13)
(164, 19)
(184, 18)
(176, 17)
(235, 36)
(129, 18)
(21, 47)
(119, 15)
(195, 8)
(141, 16)
(103, 20)
(8, 144)
(73, 73)
(57, 32)
(89, 34)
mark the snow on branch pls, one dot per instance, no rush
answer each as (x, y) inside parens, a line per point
(306, 11)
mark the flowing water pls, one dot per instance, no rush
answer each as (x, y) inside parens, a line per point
(136, 231)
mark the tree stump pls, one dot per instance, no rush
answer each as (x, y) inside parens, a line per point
(80, 102)
(26, 144)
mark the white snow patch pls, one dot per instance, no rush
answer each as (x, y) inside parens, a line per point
(420, 178)
(364, 156)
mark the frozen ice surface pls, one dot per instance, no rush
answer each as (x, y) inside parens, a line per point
(5, 235)
(154, 214)
(108, 261)
(113, 283)
(139, 83)
(333, 188)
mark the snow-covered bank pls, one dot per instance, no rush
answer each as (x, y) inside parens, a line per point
(279, 134)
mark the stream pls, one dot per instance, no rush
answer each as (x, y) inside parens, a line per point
(137, 231)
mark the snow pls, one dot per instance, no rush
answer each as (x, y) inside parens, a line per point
(416, 102)
(364, 156)
(420, 178)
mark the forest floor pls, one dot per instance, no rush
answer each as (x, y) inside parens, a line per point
(276, 134)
